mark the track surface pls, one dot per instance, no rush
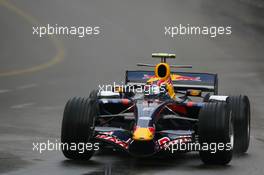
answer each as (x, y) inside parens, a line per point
(32, 103)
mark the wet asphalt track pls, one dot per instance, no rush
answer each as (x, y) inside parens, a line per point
(31, 104)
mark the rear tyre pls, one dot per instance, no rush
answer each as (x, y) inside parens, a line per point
(78, 126)
(240, 107)
(215, 128)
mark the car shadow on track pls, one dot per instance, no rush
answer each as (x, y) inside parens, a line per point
(109, 162)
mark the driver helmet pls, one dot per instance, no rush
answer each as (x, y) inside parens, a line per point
(154, 91)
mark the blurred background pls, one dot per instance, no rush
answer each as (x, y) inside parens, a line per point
(38, 75)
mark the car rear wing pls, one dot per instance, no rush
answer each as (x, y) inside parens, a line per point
(206, 82)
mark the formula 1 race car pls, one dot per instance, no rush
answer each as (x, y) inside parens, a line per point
(160, 111)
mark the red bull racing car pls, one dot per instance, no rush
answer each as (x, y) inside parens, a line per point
(160, 111)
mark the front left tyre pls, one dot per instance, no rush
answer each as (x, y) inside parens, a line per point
(78, 126)
(216, 133)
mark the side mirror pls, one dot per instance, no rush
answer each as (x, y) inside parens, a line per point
(194, 93)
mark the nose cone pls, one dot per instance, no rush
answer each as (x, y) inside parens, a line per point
(143, 134)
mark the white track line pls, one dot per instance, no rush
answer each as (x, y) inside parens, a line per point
(4, 91)
(50, 107)
(21, 106)
(27, 86)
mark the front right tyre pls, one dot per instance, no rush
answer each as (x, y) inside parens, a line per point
(240, 109)
(78, 126)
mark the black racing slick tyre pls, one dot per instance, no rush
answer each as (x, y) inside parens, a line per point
(78, 127)
(240, 108)
(215, 129)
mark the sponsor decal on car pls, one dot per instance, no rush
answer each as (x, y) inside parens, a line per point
(166, 142)
(174, 77)
(115, 140)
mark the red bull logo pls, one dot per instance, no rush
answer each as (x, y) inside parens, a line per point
(146, 76)
(176, 77)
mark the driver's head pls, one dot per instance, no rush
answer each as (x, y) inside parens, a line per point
(154, 91)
